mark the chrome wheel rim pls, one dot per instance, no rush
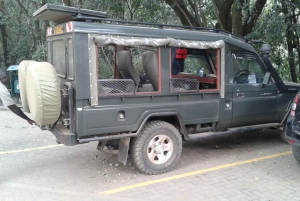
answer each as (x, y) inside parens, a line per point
(160, 149)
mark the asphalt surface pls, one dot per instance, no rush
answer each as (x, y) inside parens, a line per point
(245, 166)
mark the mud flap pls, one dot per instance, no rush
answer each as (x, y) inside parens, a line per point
(123, 150)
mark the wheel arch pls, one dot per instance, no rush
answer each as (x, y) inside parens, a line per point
(171, 117)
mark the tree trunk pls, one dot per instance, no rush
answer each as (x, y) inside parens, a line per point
(295, 34)
(237, 18)
(289, 36)
(67, 2)
(4, 36)
(4, 44)
(253, 16)
(223, 13)
(183, 13)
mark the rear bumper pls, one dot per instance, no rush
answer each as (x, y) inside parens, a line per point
(292, 131)
(64, 136)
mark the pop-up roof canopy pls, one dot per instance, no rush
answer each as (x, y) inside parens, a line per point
(103, 40)
(59, 14)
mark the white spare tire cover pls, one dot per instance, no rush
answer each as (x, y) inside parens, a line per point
(22, 83)
(43, 93)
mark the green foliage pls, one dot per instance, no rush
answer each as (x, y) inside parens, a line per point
(272, 28)
(106, 61)
(24, 35)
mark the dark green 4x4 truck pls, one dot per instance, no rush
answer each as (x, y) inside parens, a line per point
(143, 88)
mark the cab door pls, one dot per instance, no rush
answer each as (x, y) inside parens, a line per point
(252, 103)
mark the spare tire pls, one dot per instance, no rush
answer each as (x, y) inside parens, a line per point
(43, 93)
(22, 83)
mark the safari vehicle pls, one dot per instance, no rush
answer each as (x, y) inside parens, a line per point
(142, 88)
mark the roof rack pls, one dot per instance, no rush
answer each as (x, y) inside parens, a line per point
(160, 26)
(257, 42)
(60, 14)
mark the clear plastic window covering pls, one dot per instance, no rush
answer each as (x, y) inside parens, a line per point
(104, 40)
(59, 57)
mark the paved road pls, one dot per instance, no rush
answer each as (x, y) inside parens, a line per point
(246, 166)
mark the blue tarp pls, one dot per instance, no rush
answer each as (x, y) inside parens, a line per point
(13, 68)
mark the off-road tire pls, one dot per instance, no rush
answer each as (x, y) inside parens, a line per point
(43, 93)
(22, 70)
(296, 152)
(140, 146)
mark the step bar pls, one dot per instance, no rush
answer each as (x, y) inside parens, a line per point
(196, 136)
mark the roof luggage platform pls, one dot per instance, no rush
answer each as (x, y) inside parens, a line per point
(59, 14)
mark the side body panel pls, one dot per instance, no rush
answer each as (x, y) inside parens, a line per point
(194, 108)
(253, 104)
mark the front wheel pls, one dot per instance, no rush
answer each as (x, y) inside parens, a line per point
(158, 148)
(296, 152)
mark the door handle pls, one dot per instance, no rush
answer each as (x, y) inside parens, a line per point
(266, 94)
(240, 95)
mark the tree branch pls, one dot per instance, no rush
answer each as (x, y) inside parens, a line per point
(198, 12)
(216, 11)
(22, 7)
(107, 60)
(194, 8)
(182, 12)
(255, 13)
(223, 12)
(67, 2)
(237, 18)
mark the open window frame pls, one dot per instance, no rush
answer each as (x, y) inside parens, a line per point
(198, 81)
(104, 40)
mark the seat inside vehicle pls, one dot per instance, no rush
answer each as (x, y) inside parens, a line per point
(150, 65)
(125, 66)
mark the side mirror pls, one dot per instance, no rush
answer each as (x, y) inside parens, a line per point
(266, 79)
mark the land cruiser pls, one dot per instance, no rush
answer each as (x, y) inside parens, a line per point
(142, 88)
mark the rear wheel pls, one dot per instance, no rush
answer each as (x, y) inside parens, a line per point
(296, 152)
(158, 148)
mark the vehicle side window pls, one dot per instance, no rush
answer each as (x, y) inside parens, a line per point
(246, 68)
(197, 65)
(194, 62)
(106, 62)
(124, 70)
(195, 69)
(59, 57)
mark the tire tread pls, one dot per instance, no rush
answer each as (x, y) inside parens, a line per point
(296, 152)
(138, 144)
